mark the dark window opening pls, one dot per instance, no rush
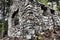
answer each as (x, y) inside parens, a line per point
(16, 21)
(15, 17)
(52, 11)
(43, 7)
(31, 0)
(30, 13)
(54, 32)
(15, 12)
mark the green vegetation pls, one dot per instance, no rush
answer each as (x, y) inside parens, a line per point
(3, 27)
(43, 1)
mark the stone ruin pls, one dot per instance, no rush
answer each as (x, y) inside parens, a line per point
(29, 17)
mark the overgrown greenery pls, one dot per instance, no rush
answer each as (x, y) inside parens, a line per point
(46, 1)
(43, 1)
(4, 24)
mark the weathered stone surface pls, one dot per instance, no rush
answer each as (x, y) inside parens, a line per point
(30, 17)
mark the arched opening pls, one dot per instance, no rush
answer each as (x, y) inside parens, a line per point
(16, 20)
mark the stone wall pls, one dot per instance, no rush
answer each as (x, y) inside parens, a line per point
(28, 17)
